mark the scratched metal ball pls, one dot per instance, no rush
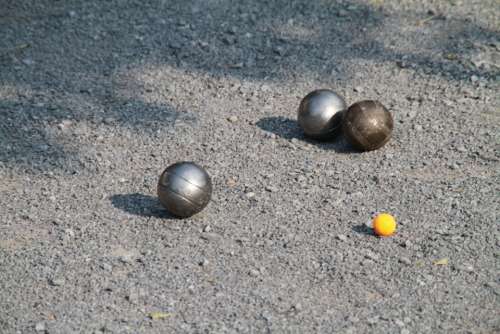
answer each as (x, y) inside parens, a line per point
(367, 125)
(184, 189)
(320, 114)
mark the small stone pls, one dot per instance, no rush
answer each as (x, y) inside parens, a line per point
(107, 267)
(72, 13)
(467, 268)
(405, 331)
(405, 260)
(28, 61)
(399, 323)
(461, 149)
(250, 194)
(229, 40)
(271, 189)
(231, 182)
(407, 244)
(447, 103)
(270, 135)
(372, 321)
(342, 237)
(474, 78)
(232, 119)
(204, 263)
(40, 327)
(371, 255)
(279, 50)
(407, 320)
(69, 232)
(133, 296)
(418, 127)
(207, 229)
(109, 120)
(352, 319)
(358, 89)
(64, 124)
(253, 273)
(58, 281)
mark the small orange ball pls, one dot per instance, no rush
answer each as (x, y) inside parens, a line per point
(384, 225)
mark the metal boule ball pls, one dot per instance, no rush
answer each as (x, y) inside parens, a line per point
(367, 125)
(320, 114)
(184, 189)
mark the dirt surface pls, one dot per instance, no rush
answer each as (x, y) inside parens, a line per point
(98, 97)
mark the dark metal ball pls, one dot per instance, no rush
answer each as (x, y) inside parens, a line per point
(320, 114)
(367, 125)
(184, 189)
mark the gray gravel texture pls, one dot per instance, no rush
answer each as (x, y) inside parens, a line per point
(98, 97)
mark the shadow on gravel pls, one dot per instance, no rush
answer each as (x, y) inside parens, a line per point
(69, 56)
(289, 129)
(363, 229)
(140, 205)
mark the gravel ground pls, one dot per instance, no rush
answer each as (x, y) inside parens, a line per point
(98, 97)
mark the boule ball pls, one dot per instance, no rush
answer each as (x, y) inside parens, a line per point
(184, 189)
(320, 114)
(367, 125)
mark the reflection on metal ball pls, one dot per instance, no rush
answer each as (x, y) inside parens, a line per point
(184, 189)
(367, 125)
(320, 114)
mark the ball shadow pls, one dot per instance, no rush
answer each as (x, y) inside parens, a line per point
(363, 229)
(140, 205)
(289, 129)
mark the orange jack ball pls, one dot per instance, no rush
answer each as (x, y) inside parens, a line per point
(384, 225)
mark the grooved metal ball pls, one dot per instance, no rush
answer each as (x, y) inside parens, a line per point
(320, 114)
(367, 125)
(184, 189)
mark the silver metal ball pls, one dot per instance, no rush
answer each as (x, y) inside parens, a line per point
(184, 189)
(320, 114)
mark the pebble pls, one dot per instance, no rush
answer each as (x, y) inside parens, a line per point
(231, 182)
(232, 119)
(342, 237)
(40, 327)
(253, 273)
(270, 135)
(58, 281)
(405, 331)
(418, 127)
(204, 263)
(28, 61)
(399, 323)
(107, 267)
(358, 89)
(371, 255)
(297, 307)
(250, 194)
(64, 124)
(133, 296)
(207, 228)
(405, 260)
(352, 319)
(109, 120)
(271, 189)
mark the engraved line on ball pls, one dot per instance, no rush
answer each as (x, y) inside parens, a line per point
(180, 195)
(181, 177)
